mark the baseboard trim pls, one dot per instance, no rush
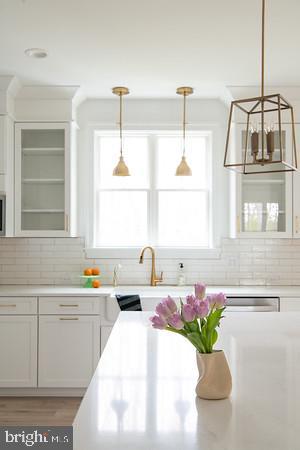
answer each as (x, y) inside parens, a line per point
(42, 392)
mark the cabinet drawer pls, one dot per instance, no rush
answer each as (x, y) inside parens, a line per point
(69, 305)
(18, 305)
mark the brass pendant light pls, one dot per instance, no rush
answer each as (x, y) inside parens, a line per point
(263, 143)
(183, 170)
(121, 170)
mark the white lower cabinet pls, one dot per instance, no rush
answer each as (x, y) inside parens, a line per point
(18, 351)
(69, 350)
(289, 304)
(105, 333)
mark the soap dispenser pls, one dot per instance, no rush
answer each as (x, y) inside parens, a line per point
(181, 275)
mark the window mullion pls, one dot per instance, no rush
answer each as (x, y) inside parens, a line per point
(155, 190)
(152, 193)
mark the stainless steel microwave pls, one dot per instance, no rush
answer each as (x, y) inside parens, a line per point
(2, 215)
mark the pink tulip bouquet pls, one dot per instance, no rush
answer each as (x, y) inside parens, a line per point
(196, 319)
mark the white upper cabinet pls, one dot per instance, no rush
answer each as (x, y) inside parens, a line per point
(296, 190)
(42, 179)
(2, 145)
(265, 201)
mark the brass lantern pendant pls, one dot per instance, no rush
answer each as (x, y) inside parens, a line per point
(264, 142)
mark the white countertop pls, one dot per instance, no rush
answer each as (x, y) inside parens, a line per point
(243, 291)
(43, 290)
(142, 395)
(146, 291)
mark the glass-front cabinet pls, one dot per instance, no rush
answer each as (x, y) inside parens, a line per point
(265, 201)
(42, 179)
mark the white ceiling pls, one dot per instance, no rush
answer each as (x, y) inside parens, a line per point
(151, 46)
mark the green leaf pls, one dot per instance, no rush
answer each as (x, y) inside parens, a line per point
(194, 326)
(195, 339)
(213, 319)
(182, 332)
(214, 337)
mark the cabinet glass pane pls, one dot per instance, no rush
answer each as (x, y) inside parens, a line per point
(264, 202)
(263, 196)
(43, 179)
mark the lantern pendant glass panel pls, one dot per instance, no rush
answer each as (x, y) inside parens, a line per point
(268, 121)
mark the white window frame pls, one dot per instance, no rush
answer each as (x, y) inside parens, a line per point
(161, 251)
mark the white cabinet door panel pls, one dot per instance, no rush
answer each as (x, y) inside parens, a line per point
(69, 350)
(289, 304)
(18, 351)
(2, 145)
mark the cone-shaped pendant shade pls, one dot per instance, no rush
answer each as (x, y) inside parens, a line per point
(121, 170)
(183, 170)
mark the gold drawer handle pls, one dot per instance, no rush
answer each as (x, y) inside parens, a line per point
(68, 318)
(238, 224)
(297, 224)
(69, 306)
(8, 306)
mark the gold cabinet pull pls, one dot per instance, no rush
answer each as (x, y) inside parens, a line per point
(68, 318)
(238, 224)
(66, 222)
(68, 306)
(13, 305)
(297, 224)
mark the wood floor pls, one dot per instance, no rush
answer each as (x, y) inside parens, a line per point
(38, 410)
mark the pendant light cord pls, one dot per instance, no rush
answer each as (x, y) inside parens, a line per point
(184, 122)
(263, 49)
(263, 77)
(121, 125)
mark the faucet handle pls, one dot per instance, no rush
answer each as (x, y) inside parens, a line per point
(160, 279)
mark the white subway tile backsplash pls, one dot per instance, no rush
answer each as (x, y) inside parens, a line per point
(60, 261)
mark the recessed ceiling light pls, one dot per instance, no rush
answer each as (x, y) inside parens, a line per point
(36, 53)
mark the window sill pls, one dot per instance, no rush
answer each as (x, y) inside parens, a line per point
(161, 253)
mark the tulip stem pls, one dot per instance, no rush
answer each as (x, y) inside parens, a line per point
(181, 332)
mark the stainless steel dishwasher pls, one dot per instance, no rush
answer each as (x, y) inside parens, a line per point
(252, 304)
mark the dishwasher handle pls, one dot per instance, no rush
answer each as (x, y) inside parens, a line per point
(247, 308)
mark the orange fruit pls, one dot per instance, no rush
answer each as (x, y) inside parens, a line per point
(95, 271)
(96, 283)
(88, 272)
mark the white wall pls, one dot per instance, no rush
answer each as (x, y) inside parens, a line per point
(155, 114)
(240, 261)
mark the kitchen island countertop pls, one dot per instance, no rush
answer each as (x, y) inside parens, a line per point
(142, 290)
(142, 395)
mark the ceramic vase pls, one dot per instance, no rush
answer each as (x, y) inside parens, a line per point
(214, 382)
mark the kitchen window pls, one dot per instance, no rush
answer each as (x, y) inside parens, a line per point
(152, 206)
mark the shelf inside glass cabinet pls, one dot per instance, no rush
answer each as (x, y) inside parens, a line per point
(43, 179)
